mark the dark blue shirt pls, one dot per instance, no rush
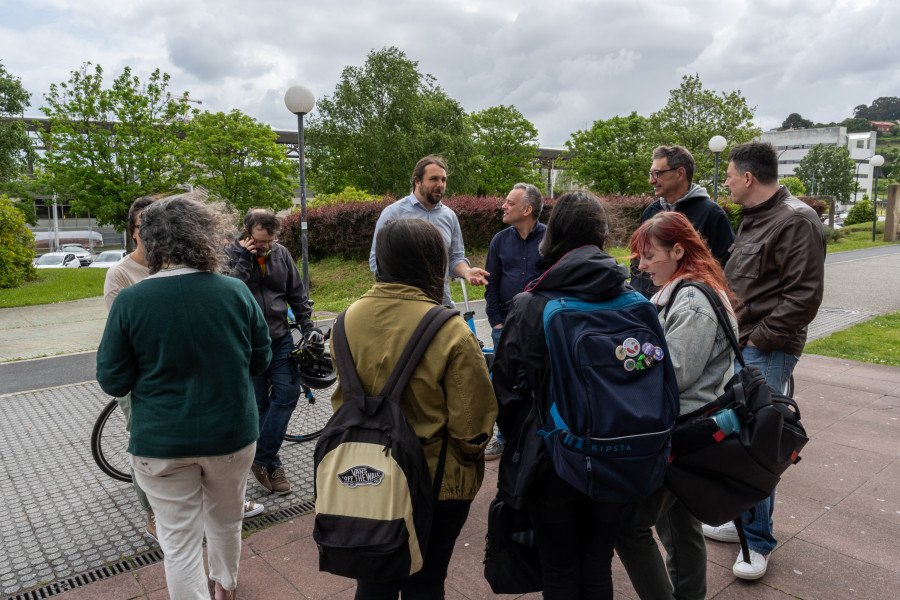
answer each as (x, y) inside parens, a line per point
(512, 264)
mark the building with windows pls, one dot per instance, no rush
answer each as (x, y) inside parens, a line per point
(794, 144)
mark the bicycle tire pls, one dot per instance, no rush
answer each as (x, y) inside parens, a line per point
(310, 416)
(109, 443)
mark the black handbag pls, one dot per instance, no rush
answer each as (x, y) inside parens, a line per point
(511, 561)
(718, 477)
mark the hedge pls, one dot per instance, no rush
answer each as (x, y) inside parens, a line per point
(345, 229)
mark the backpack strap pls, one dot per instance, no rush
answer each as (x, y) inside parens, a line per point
(409, 359)
(718, 306)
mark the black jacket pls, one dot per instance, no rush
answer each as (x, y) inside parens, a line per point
(521, 370)
(282, 285)
(707, 217)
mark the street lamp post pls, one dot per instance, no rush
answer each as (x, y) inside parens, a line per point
(876, 162)
(716, 145)
(300, 101)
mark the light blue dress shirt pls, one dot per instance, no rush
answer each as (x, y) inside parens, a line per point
(441, 217)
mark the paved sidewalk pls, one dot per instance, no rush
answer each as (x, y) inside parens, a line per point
(837, 517)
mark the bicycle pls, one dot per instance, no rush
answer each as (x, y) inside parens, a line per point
(109, 436)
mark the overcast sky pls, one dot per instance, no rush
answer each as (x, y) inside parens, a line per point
(562, 63)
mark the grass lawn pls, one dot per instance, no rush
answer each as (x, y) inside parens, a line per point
(875, 341)
(860, 236)
(55, 285)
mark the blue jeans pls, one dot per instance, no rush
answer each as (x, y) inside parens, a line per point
(777, 368)
(275, 410)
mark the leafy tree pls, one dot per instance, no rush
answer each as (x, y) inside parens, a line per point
(107, 146)
(693, 115)
(382, 118)
(794, 186)
(828, 171)
(15, 145)
(612, 157)
(239, 160)
(794, 120)
(886, 108)
(857, 125)
(16, 246)
(506, 147)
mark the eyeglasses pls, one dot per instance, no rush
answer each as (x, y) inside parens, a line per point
(257, 242)
(655, 174)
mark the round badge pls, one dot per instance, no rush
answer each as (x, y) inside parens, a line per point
(648, 361)
(620, 353)
(632, 346)
(647, 349)
(658, 353)
(629, 364)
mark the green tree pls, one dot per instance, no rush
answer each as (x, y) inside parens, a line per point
(612, 157)
(16, 246)
(857, 125)
(794, 121)
(886, 108)
(794, 186)
(15, 145)
(382, 118)
(693, 115)
(107, 146)
(238, 159)
(506, 147)
(828, 171)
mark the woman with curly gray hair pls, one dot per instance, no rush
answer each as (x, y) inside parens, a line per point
(188, 369)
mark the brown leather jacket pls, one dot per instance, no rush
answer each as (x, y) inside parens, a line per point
(777, 267)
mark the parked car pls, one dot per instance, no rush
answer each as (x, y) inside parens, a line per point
(82, 253)
(107, 259)
(57, 260)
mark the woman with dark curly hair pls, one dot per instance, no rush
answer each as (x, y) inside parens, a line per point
(188, 369)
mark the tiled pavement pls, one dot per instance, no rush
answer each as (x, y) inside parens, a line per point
(837, 517)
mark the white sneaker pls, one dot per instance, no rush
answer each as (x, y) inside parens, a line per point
(722, 533)
(755, 569)
(251, 509)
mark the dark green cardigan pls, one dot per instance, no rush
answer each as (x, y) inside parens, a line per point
(185, 346)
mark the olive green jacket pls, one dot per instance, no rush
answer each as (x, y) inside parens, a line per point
(450, 391)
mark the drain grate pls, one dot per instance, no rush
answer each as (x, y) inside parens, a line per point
(151, 557)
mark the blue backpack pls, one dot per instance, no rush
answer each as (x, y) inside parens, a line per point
(613, 396)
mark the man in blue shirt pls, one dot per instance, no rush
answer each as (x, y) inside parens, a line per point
(429, 182)
(512, 262)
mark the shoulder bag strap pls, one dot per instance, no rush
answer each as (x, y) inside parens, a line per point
(721, 313)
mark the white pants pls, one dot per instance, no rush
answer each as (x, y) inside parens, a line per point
(191, 496)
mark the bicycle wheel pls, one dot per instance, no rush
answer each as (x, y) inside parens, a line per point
(310, 416)
(109, 443)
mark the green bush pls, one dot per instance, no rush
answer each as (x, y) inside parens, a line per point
(349, 194)
(16, 247)
(860, 213)
(834, 235)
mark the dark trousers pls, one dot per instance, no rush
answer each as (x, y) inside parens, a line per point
(427, 584)
(275, 410)
(575, 538)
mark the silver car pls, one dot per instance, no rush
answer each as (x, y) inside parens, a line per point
(82, 253)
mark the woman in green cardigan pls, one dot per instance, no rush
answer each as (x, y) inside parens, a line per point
(185, 342)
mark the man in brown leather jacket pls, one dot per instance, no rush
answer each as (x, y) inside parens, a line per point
(777, 267)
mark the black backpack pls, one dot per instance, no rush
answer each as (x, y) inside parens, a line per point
(716, 476)
(374, 494)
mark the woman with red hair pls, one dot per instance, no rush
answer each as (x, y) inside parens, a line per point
(671, 250)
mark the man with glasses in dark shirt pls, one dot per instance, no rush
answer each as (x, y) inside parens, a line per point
(512, 262)
(270, 272)
(671, 176)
